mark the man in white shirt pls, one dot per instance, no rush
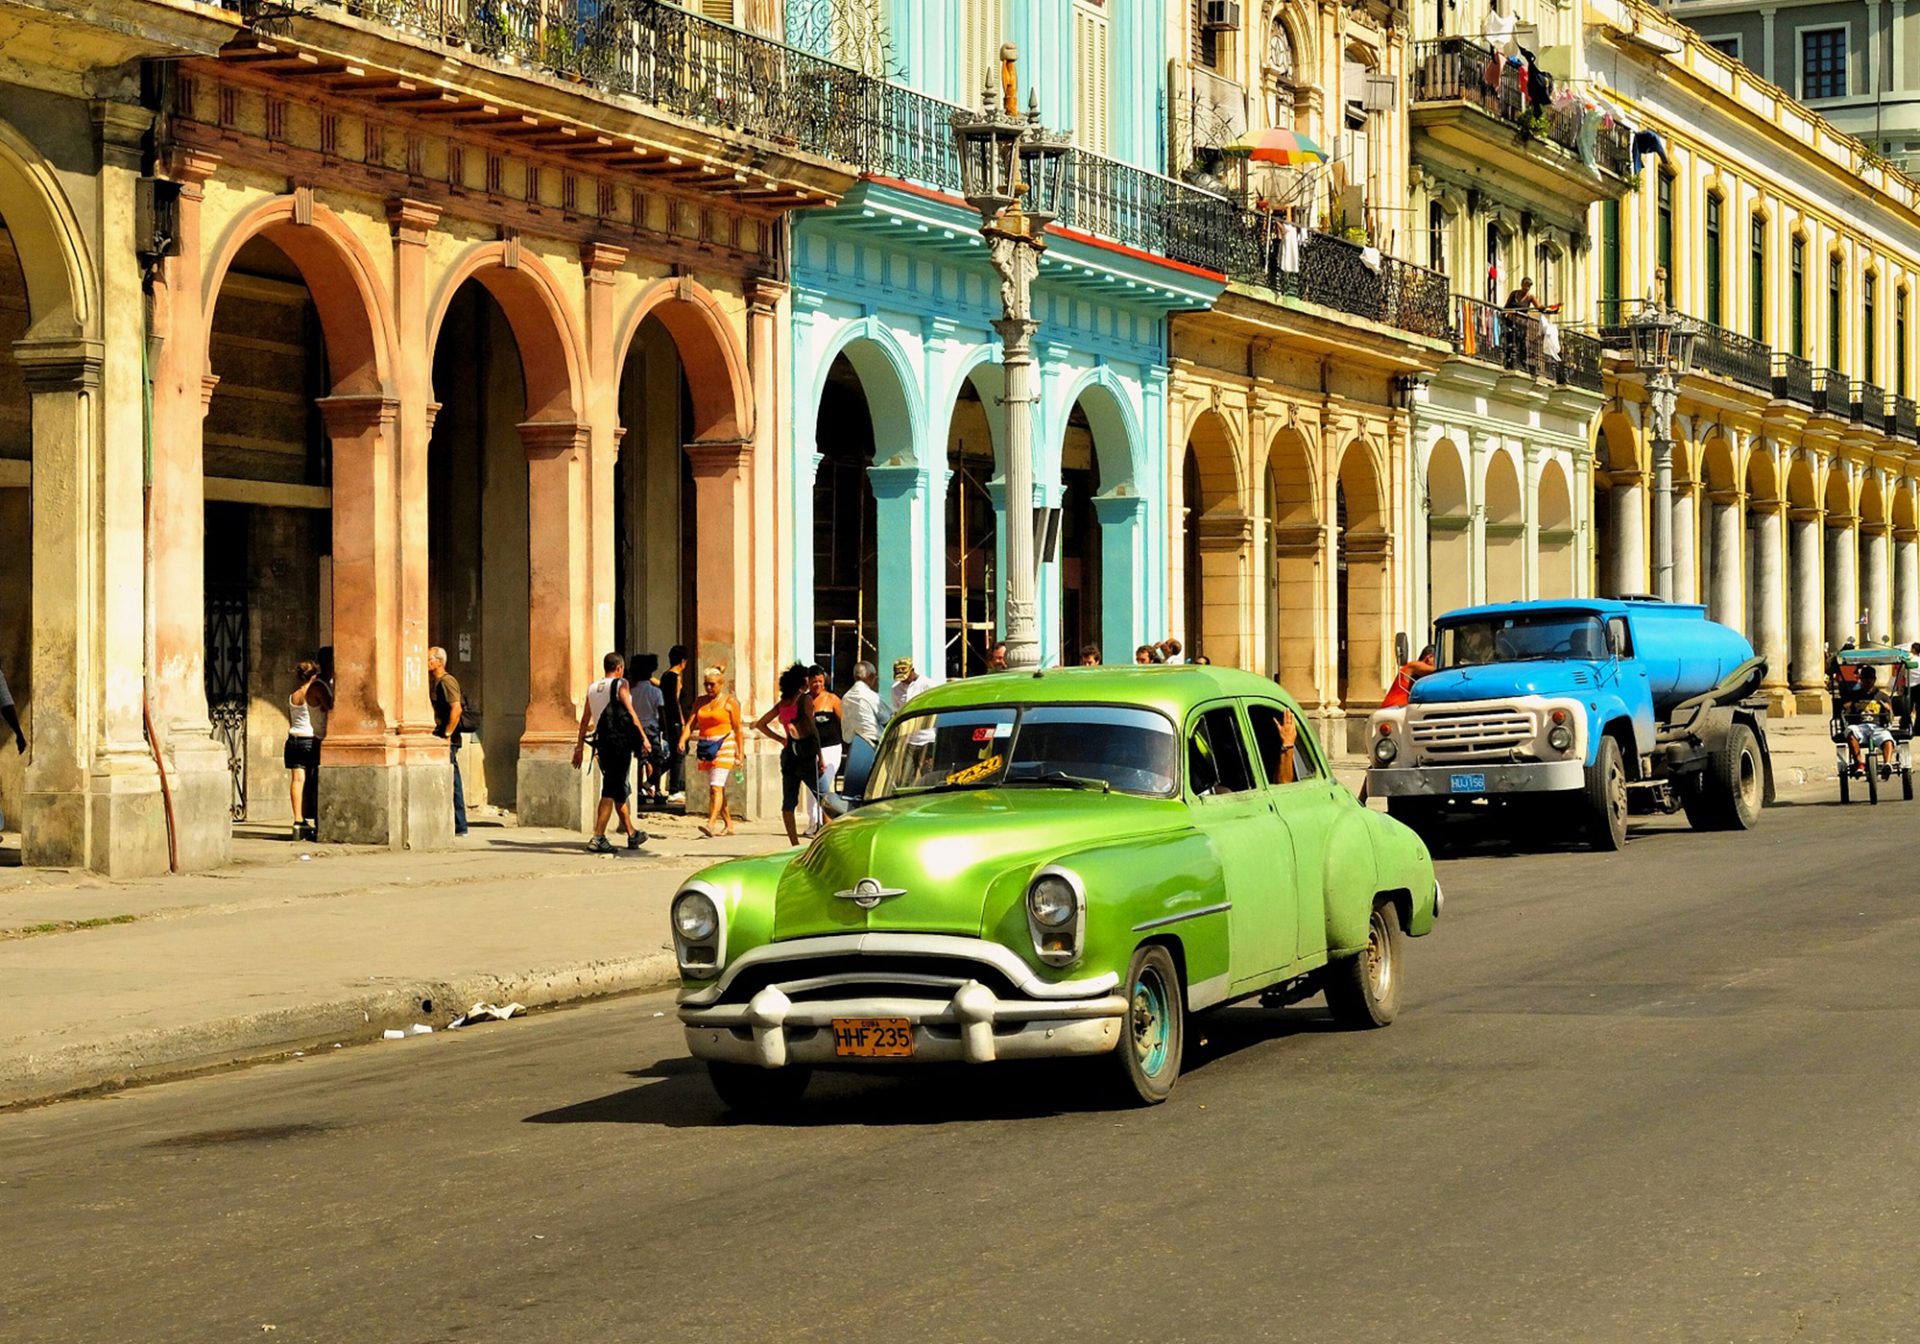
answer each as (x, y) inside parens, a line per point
(862, 712)
(908, 683)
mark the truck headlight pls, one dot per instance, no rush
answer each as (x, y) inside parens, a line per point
(1385, 751)
(1560, 737)
(695, 917)
(1056, 915)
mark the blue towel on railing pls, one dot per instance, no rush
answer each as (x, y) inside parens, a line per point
(1648, 142)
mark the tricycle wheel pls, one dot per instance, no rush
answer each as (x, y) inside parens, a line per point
(1606, 799)
(1846, 790)
(1873, 781)
(1364, 991)
(1906, 785)
(1154, 1033)
(753, 1091)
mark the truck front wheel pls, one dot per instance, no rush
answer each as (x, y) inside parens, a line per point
(1605, 804)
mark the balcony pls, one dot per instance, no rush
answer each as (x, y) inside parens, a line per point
(1869, 405)
(1728, 354)
(1472, 106)
(1832, 393)
(1793, 380)
(1349, 277)
(1515, 342)
(1906, 419)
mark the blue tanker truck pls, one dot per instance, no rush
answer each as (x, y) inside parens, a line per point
(1578, 711)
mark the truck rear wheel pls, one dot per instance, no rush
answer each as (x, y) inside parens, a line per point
(1605, 804)
(1731, 788)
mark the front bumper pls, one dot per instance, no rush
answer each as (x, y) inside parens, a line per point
(951, 1010)
(1436, 781)
(973, 1026)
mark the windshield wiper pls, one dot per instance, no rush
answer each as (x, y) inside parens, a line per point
(1062, 777)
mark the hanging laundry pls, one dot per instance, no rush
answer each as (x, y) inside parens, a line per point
(1648, 142)
(1549, 340)
(1290, 235)
(1370, 258)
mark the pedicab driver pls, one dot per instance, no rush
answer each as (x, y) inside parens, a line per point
(1870, 720)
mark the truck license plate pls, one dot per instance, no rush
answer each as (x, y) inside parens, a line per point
(1469, 783)
(873, 1037)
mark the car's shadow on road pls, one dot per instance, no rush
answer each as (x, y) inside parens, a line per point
(675, 1093)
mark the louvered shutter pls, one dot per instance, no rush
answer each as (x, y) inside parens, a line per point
(979, 48)
(1090, 78)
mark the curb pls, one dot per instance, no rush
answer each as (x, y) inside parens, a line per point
(115, 1062)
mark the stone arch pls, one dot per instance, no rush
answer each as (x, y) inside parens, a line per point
(1117, 437)
(1838, 496)
(349, 294)
(1762, 475)
(972, 551)
(1801, 491)
(1901, 510)
(1505, 509)
(1103, 542)
(1872, 501)
(718, 385)
(51, 245)
(886, 378)
(1559, 558)
(543, 326)
(980, 368)
(1362, 551)
(1215, 533)
(1717, 464)
(1449, 530)
(1619, 509)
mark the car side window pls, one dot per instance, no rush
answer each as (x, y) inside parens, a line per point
(1278, 762)
(1217, 755)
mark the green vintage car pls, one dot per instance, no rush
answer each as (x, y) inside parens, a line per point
(1054, 864)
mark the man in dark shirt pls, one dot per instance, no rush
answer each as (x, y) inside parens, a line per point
(672, 715)
(448, 708)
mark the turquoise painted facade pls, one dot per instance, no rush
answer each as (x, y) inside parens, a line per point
(895, 279)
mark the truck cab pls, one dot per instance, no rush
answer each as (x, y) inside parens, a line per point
(1589, 708)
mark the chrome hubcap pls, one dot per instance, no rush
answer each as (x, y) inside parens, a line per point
(1152, 1032)
(1379, 957)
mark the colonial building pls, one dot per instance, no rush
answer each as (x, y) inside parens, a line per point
(1289, 504)
(897, 460)
(372, 327)
(1509, 164)
(1796, 441)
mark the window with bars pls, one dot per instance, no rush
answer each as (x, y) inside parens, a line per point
(1716, 311)
(1090, 76)
(1436, 237)
(1546, 274)
(1206, 41)
(1823, 63)
(1757, 278)
(1663, 208)
(1869, 314)
(1610, 261)
(1900, 343)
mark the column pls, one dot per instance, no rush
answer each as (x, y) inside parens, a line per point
(769, 356)
(425, 782)
(1686, 531)
(198, 774)
(1725, 529)
(1769, 598)
(363, 796)
(549, 791)
(1629, 534)
(1878, 598)
(599, 263)
(1806, 668)
(1477, 457)
(911, 597)
(1843, 579)
(1906, 587)
(1298, 551)
(1122, 575)
(721, 597)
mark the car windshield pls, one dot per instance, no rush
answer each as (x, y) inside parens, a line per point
(1523, 636)
(1041, 746)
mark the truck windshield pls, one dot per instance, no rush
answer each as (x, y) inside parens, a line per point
(1521, 637)
(1042, 746)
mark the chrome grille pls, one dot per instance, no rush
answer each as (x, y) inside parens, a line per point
(1470, 734)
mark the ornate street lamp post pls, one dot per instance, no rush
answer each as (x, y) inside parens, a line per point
(1663, 352)
(1016, 174)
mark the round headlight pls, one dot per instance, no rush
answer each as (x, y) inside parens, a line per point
(1384, 750)
(694, 916)
(1052, 901)
(1560, 738)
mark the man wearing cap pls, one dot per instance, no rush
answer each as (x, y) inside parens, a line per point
(908, 683)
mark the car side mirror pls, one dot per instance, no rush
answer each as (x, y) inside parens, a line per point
(855, 770)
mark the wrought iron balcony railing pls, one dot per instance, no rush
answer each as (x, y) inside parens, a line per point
(1334, 273)
(1580, 361)
(1728, 354)
(1832, 392)
(1793, 380)
(1459, 69)
(1869, 404)
(1906, 418)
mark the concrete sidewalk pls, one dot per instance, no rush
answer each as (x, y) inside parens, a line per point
(301, 947)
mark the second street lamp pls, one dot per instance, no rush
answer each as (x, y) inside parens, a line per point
(1663, 353)
(1018, 176)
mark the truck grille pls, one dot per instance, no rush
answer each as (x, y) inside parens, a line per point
(1470, 734)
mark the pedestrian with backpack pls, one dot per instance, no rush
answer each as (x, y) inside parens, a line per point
(617, 737)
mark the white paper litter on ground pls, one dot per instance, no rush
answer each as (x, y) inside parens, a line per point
(420, 1029)
(487, 1012)
(391, 1035)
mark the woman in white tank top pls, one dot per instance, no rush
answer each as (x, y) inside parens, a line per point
(302, 755)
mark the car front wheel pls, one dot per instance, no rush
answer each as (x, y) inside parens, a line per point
(1364, 991)
(1153, 1035)
(756, 1092)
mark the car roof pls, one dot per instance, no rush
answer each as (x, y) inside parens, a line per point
(1875, 657)
(1594, 606)
(1173, 690)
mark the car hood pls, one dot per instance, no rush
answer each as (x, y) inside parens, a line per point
(945, 854)
(1499, 681)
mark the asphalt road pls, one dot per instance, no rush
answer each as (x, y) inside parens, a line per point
(1666, 1095)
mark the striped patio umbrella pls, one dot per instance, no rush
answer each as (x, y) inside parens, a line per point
(1278, 145)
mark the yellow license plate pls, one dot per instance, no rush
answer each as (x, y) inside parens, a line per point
(872, 1037)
